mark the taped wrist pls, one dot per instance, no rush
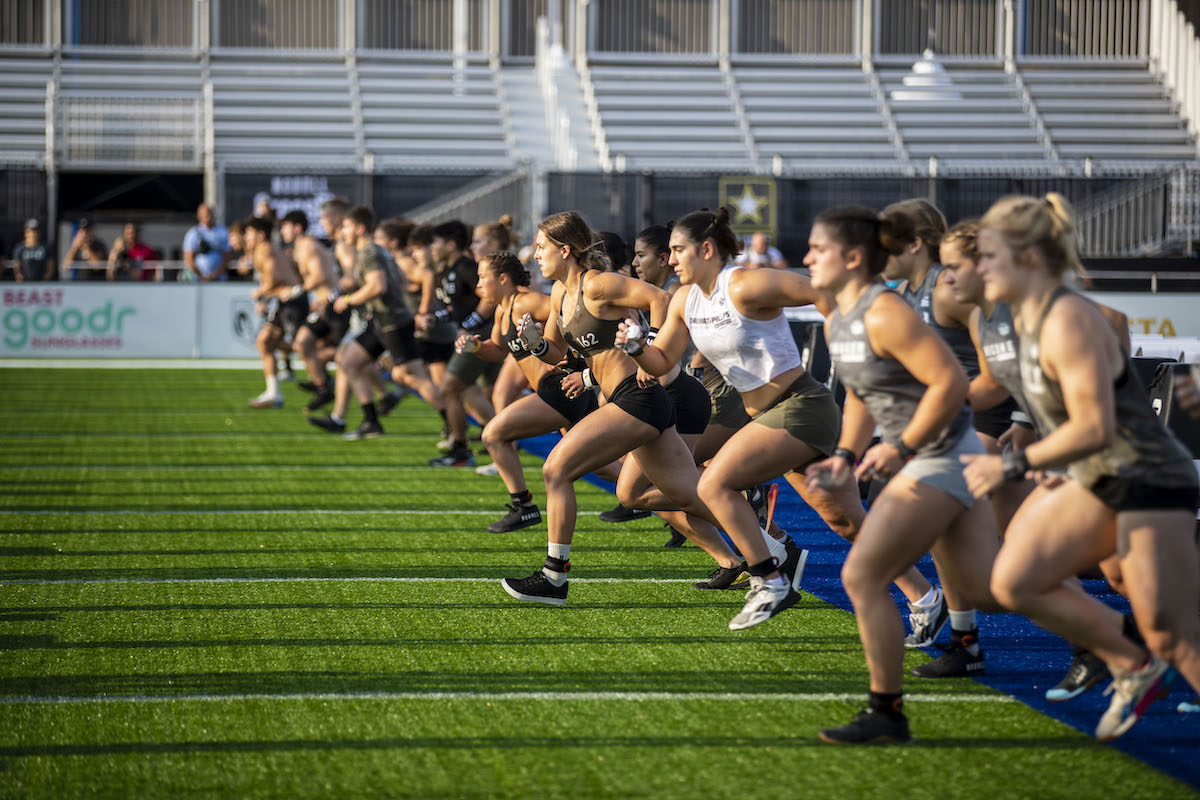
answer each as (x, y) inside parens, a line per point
(1016, 464)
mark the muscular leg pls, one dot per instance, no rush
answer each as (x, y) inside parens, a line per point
(419, 379)
(509, 385)
(529, 416)
(306, 347)
(452, 401)
(476, 402)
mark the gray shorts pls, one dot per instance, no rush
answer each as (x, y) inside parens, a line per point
(944, 472)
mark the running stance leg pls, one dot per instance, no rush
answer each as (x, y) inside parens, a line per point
(529, 416)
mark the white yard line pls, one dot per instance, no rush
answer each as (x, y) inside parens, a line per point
(637, 697)
(47, 512)
(228, 467)
(314, 579)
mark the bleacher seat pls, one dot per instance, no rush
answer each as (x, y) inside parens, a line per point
(23, 109)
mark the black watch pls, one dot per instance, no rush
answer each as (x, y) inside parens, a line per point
(906, 452)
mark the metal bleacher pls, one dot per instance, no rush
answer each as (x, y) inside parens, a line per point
(23, 82)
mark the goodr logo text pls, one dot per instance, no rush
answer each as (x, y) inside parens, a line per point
(40, 320)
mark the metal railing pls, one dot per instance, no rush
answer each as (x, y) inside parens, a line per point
(438, 25)
(130, 131)
(520, 29)
(278, 24)
(24, 22)
(1175, 52)
(1084, 28)
(1158, 214)
(796, 27)
(484, 200)
(662, 27)
(971, 28)
(151, 24)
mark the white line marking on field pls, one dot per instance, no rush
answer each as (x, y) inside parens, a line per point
(228, 467)
(638, 697)
(46, 512)
(74, 436)
(318, 579)
(130, 363)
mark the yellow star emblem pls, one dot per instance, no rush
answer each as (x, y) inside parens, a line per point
(749, 206)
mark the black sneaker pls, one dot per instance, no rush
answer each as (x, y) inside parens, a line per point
(368, 430)
(321, 397)
(309, 386)
(458, 457)
(519, 516)
(537, 588)
(869, 727)
(725, 578)
(677, 539)
(956, 662)
(623, 514)
(388, 403)
(328, 424)
(1086, 671)
(793, 568)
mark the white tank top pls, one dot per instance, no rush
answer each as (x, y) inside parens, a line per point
(747, 352)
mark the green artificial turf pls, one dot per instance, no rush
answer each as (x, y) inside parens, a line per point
(187, 608)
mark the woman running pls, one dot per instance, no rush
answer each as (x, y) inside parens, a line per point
(735, 318)
(900, 375)
(1134, 490)
(587, 304)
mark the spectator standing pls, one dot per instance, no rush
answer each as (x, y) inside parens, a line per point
(206, 248)
(760, 252)
(86, 247)
(128, 256)
(31, 258)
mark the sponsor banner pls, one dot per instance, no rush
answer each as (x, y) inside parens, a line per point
(228, 321)
(1162, 314)
(117, 319)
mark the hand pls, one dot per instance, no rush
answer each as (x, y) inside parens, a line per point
(466, 343)
(1048, 480)
(645, 379)
(80, 238)
(572, 385)
(425, 322)
(827, 474)
(340, 304)
(530, 332)
(1018, 436)
(882, 461)
(984, 473)
(630, 336)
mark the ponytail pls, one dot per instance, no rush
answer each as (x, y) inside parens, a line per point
(860, 228)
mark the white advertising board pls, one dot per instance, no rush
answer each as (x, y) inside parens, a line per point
(228, 322)
(100, 319)
(1162, 314)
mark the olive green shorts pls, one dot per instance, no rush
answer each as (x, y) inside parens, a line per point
(727, 408)
(807, 411)
(468, 368)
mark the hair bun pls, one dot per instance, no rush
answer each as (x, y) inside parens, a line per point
(506, 220)
(722, 215)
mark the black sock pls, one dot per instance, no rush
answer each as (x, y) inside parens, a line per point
(1130, 629)
(369, 414)
(460, 444)
(890, 705)
(521, 498)
(964, 638)
(763, 568)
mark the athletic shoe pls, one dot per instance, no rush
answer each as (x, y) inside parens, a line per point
(537, 588)
(1133, 692)
(869, 727)
(519, 516)
(792, 569)
(757, 498)
(488, 470)
(763, 601)
(1189, 708)
(309, 386)
(389, 402)
(677, 539)
(455, 458)
(623, 514)
(1086, 671)
(321, 397)
(724, 577)
(927, 623)
(368, 430)
(328, 424)
(266, 400)
(956, 662)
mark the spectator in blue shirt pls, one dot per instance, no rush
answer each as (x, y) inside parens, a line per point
(206, 248)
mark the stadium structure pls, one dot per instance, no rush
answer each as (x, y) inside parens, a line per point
(631, 110)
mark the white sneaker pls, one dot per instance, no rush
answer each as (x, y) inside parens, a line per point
(1133, 692)
(926, 623)
(763, 601)
(267, 400)
(487, 469)
(287, 375)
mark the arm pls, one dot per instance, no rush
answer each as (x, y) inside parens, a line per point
(617, 291)
(113, 254)
(984, 392)
(661, 357)
(189, 252)
(374, 285)
(226, 254)
(762, 293)
(556, 344)
(490, 349)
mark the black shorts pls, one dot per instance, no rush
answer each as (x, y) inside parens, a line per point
(1124, 494)
(398, 341)
(573, 409)
(289, 316)
(693, 406)
(651, 405)
(329, 326)
(434, 352)
(995, 421)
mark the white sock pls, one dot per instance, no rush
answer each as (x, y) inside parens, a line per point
(337, 419)
(962, 620)
(777, 548)
(778, 580)
(273, 385)
(928, 599)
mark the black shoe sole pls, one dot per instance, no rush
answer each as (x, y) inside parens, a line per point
(877, 740)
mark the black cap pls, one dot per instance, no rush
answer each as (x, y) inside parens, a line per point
(85, 223)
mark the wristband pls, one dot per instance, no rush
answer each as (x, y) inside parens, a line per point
(652, 335)
(847, 455)
(335, 294)
(634, 349)
(442, 315)
(906, 452)
(1016, 464)
(541, 348)
(473, 321)
(587, 379)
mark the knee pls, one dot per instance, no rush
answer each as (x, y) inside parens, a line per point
(1009, 591)
(493, 435)
(554, 473)
(859, 580)
(711, 485)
